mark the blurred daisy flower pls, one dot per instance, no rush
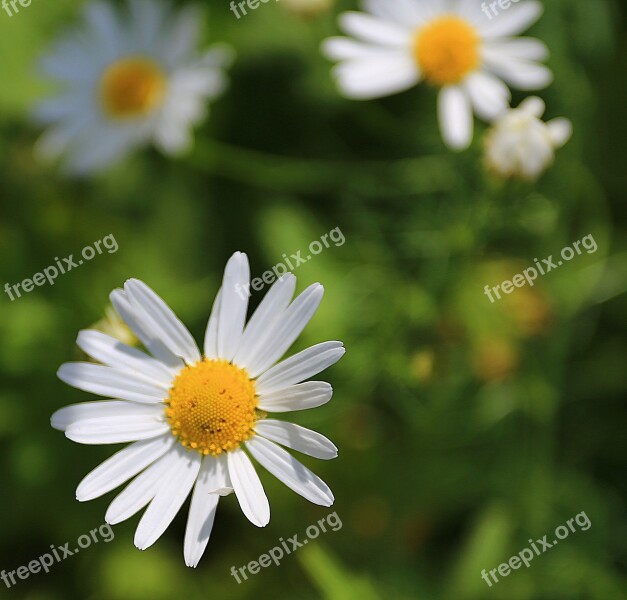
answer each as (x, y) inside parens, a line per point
(195, 419)
(450, 44)
(128, 78)
(521, 145)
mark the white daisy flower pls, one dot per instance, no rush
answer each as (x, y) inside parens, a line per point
(195, 418)
(127, 79)
(450, 44)
(521, 145)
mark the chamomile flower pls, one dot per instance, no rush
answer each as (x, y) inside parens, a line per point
(521, 145)
(195, 419)
(128, 78)
(449, 44)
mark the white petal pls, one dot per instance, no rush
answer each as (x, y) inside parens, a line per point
(288, 327)
(107, 381)
(233, 305)
(560, 131)
(267, 314)
(202, 512)
(372, 29)
(455, 117)
(385, 74)
(141, 329)
(524, 48)
(126, 427)
(488, 94)
(299, 367)
(163, 321)
(290, 471)
(169, 498)
(211, 334)
(122, 466)
(248, 489)
(298, 438)
(533, 106)
(141, 490)
(66, 416)
(221, 483)
(408, 13)
(514, 20)
(114, 353)
(302, 396)
(522, 74)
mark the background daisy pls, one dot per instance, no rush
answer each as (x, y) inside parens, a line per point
(451, 45)
(128, 77)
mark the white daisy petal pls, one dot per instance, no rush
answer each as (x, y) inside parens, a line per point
(113, 353)
(298, 438)
(141, 490)
(203, 506)
(286, 329)
(514, 20)
(291, 472)
(141, 329)
(404, 12)
(523, 48)
(101, 409)
(299, 367)
(221, 483)
(382, 75)
(522, 74)
(233, 305)
(533, 106)
(122, 466)
(163, 321)
(117, 430)
(269, 311)
(455, 117)
(169, 498)
(248, 489)
(488, 94)
(211, 333)
(107, 381)
(371, 29)
(301, 396)
(560, 131)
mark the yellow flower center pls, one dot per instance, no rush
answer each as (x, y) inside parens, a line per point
(212, 406)
(132, 87)
(446, 50)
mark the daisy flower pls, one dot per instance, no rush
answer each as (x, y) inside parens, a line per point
(450, 44)
(194, 419)
(521, 145)
(128, 79)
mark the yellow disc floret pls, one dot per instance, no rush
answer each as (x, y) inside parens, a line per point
(447, 49)
(132, 87)
(212, 407)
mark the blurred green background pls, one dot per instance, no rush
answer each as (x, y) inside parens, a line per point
(465, 428)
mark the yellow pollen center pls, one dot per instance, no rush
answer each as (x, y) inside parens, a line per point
(132, 87)
(447, 50)
(212, 407)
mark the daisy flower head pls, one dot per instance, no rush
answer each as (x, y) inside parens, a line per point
(194, 420)
(449, 44)
(128, 78)
(521, 145)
